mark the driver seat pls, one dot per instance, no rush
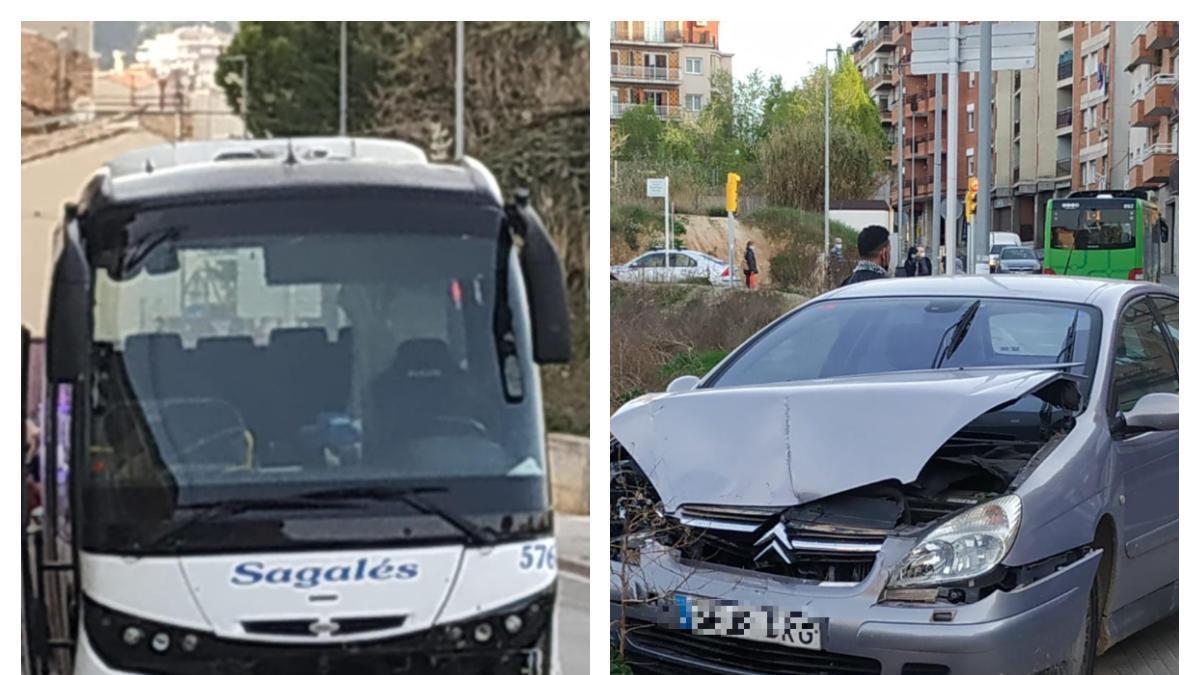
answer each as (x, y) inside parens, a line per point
(422, 384)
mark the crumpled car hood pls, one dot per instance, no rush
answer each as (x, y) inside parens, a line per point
(781, 445)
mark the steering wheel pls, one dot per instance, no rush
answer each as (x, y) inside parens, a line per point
(228, 435)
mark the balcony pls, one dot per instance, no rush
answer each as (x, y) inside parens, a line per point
(881, 78)
(1161, 34)
(1065, 25)
(1154, 99)
(641, 36)
(1064, 70)
(1152, 165)
(644, 74)
(665, 112)
(884, 39)
(1062, 118)
(1062, 168)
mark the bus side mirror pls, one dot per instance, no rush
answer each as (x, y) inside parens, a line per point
(67, 340)
(544, 284)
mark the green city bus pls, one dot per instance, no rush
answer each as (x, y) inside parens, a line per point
(1104, 233)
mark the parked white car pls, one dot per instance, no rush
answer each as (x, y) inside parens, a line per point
(684, 264)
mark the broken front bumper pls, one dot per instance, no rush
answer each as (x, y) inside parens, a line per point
(1027, 630)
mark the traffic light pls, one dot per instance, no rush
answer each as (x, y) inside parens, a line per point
(972, 193)
(731, 187)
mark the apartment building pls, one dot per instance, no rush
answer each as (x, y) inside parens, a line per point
(881, 51)
(1033, 132)
(668, 64)
(1154, 119)
(1100, 103)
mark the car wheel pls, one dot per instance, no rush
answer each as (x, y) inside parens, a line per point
(1082, 660)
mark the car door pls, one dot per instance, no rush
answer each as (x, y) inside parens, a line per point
(683, 266)
(1146, 462)
(644, 268)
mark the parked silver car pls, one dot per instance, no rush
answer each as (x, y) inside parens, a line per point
(932, 475)
(684, 264)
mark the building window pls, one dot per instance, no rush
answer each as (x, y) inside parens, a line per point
(612, 30)
(970, 117)
(656, 31)
(701, 23)
(693, 102)
(971, 80)
(970, 166)
(694, 65)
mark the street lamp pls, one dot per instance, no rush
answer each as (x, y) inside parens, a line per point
(838, 51)
(241, 58)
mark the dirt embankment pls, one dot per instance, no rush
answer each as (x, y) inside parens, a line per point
(662, 331)
(710, 235)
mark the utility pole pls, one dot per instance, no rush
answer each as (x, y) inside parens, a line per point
(458, 90)
(912, 181)
(983, 217)
(935, 230)
(342, 85)
(952, 152)
(900, 156)
(828, 75)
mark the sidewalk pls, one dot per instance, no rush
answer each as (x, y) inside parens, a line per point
(572, 534)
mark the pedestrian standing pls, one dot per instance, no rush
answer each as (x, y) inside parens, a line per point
(874, 252)
(751, 266)
(924, 264)
(910, 262)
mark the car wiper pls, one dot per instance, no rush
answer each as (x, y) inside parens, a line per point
(475, 535)
(207, 512)
(142, 248)
(959, 329)
(1068, 347)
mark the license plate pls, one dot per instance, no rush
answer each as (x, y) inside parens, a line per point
(790, 628)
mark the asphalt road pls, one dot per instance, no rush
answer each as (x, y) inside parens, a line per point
(1153, 651)
(573, 623)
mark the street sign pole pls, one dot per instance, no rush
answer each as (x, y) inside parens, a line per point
(983, 215)
(952, 152)
(730, 236)
(935, 230)
(900, 158)
(667, 220)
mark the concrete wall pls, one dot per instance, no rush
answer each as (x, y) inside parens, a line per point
(49, 83)
(569, 466)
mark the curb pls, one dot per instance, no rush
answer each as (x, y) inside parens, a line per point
(574, 567)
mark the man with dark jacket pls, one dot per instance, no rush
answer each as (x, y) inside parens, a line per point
(874, 252)
(751, 266)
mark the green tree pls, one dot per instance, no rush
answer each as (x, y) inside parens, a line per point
(294, 71)
(643, 131)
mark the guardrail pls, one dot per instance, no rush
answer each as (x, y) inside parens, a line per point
(1063, 118)
(663, 111)
(652, 73)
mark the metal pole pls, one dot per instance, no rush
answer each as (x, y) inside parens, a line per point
(342, 85)
(667, 220)
(912, 182)
(458, 90)
(730, 237)
(935, 230)
(245, 96)
(900, 158)
(983, 217)
(825, 251)
(952, 153)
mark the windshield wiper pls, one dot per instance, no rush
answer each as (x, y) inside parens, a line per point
(210, 511)
(960, 329)
(475, 535)
(142, 248)
(1068, 347)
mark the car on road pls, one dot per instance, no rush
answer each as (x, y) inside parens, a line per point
(931, 475)
(684, 264)
(1016, 260)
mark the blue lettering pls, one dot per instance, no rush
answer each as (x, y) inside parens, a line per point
(341, 573)
(381, 571)
(280, 575)
(406, 571)
(308, 577)
(250, 571)
(359, 569)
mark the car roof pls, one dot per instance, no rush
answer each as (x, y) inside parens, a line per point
(196, 170)
(1104, 293)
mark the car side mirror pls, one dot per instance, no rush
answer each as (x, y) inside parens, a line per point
(1153, 412)
(683, 383)
(544, 284)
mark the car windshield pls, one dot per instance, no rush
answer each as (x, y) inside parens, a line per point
(1014, 253)
(836, 338)
(1093, 224)
(266, 350)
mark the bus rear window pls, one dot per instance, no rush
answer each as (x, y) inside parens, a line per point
(1083, 226)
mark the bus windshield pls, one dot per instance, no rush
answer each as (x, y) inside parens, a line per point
(1093, 224)
(266, 351)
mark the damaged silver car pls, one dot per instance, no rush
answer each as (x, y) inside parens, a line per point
(912, 477)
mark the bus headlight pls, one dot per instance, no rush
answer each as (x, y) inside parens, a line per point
(132, 635)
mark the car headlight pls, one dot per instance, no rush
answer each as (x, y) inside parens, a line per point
(963, 547)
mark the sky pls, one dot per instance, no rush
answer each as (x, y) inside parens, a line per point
(788, 48)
